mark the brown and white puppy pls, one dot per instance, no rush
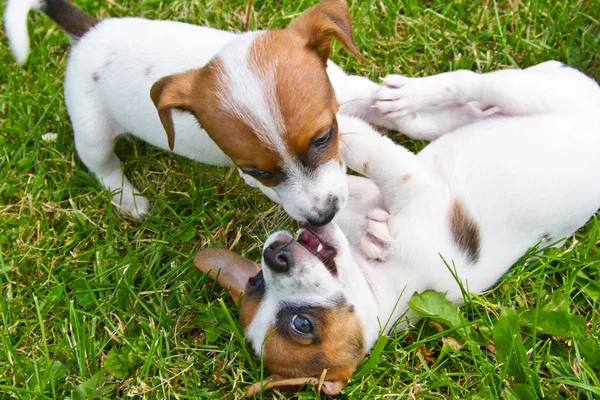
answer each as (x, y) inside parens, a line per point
(260, 101)
(475, 198)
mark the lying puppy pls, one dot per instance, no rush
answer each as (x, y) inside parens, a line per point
(515, 164)
(263, 100)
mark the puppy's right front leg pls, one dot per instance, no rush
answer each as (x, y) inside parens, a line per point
(397, 172)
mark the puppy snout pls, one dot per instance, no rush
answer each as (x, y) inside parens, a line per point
(278, 256)
(327, 213)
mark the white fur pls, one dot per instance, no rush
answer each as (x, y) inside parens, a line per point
(524, 162)
(107, 84)
(15, 25)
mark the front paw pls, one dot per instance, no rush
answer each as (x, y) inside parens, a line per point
(377, 243)
(132, 204)
(399, 96)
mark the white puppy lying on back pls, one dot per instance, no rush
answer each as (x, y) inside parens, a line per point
(516, 163)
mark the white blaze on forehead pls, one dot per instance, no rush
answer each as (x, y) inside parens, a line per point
(248, 91)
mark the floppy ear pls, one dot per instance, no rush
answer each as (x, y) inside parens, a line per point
(322, 23)
(231, 270)
(173, 92)
(331, 388)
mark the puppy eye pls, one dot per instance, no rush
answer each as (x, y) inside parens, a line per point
(256, 281)
(324, 140)
(301, 324)
(258, 173)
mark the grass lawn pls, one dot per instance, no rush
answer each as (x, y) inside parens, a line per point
(94, 304)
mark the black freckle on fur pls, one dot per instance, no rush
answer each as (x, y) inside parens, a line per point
(148, 70)
(351, 308)
(107, 64)
(96, 76)
(317, 284)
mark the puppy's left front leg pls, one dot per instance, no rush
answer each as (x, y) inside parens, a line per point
(397, 172)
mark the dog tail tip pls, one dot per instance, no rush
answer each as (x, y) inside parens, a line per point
(15, 25)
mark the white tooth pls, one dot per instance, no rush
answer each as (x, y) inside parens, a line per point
(319, 247)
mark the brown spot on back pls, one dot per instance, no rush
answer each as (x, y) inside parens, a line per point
(338, 344)
(406, 177)
(465, 231)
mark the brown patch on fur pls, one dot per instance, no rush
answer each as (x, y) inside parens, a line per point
(320, 24)
(304, 94)
(337, 345)
(231, 270)
(248, 309)
(196, 91)
(465, 231)
(406, 177)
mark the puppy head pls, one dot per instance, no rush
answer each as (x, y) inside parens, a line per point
(305, 311)
(267, 102)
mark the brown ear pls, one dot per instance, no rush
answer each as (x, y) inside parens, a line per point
(231, 270)
(292, 384)
(322, 23)
(173, 92)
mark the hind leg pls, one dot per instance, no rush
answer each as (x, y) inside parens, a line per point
(95, 134)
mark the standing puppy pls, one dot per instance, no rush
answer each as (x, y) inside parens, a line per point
(260, 101)
(515, 164)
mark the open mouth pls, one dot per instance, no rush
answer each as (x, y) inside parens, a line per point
(324, 252)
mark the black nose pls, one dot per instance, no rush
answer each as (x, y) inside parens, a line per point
(278, 256)
(326, 215)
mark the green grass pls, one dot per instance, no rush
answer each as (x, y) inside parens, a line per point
(96, 304)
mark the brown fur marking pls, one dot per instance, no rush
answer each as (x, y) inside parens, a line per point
(465, 231)
(339, 347)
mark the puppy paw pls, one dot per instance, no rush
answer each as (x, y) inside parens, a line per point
(399, 96)
(377, 243)
(133, 204)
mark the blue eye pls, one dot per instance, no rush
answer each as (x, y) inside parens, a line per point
(301, 324)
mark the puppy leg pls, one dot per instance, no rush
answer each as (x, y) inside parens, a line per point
(397, 172)
(95, 135)
(545, 88)
(356, 96)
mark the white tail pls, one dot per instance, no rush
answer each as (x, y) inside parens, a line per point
(15, 25)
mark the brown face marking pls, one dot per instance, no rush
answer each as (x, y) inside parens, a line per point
(197, 91)
(465, 231)
(250, 304)
(336, 343)
(303, 92)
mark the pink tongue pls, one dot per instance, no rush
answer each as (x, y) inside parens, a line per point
(309, 241)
